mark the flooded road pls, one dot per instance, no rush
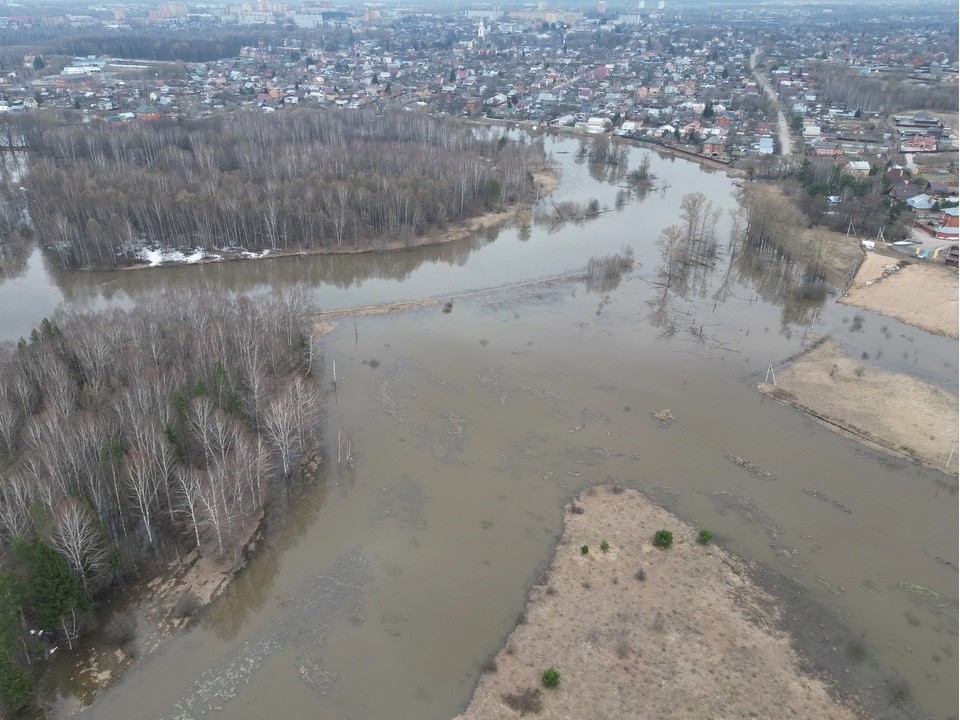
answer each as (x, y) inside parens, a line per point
(404, 568)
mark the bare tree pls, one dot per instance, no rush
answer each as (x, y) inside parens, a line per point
(80, 540)
(143, 484)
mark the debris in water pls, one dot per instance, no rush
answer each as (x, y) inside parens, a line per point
(750, 467)
(664, 416)
(314, 674)
(404, 503)
(746, 509)
(827, 499)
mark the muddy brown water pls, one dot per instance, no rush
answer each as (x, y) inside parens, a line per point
(401, 571)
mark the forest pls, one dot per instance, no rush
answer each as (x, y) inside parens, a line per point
(131, 437)
(894, 93)
(290, 181)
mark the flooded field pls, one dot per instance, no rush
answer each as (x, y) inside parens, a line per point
(461, 434)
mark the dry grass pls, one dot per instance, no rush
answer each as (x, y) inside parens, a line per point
(682, 644)
(920, 294)
(892, 411)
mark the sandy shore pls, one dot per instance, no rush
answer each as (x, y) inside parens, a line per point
(693, 639)
(920, 294)
(892, 411)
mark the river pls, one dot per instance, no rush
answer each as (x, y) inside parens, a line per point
(398, 573)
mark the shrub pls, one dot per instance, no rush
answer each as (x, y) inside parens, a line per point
(524, 701)
(663, 539)
(584, 549)
(704, 537)
(641, 575)
(121, 628)
(604, 546)
(188, 605)
(551, 677)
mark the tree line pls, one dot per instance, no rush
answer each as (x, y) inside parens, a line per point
(845, 85)
(296, 180)
(129, 436)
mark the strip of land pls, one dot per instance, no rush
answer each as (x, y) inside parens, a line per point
(919, 294)
(547, 180)
(892, 411)
(690, 636)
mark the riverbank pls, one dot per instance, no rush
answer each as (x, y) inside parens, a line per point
(920, 294)
(546, 179)
(167, 601)
(891, 411)
(641, 632)
(835, 255)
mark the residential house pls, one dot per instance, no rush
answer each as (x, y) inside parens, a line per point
(948, 224)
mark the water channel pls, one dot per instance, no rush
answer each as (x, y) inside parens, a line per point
(400, 572)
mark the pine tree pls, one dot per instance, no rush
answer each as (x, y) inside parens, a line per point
(53, 590)
(16, 686)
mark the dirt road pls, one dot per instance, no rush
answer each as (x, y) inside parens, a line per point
(786, 142)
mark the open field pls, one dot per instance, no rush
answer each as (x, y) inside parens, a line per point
(893, 411)
(920, 294)
(691, 637)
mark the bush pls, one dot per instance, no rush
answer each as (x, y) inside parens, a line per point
(187, 606)
(524, 701)
(604, 546)
(663, 539)
(641, 575)
(584, 549)
(704, 537)
(551, 677)
(120, 629)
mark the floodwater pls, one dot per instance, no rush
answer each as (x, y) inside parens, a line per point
(403, 569)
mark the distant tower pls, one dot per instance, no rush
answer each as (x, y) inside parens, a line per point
(482, 30)
(661, 4)
(601, 7)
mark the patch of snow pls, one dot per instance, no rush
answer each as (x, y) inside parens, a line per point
(160, 256)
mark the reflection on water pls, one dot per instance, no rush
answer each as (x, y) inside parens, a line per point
(470, 428)
(14, 252)
(496, 256)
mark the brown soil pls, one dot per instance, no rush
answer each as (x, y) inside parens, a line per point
(919, 294)
(892, 411)
(694, 639)
(167, 603)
